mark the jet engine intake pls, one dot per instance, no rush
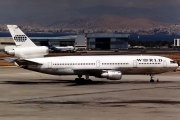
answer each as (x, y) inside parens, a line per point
(112, 75)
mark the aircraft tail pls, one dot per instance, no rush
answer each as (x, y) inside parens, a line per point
(51, 47)
(20, 39)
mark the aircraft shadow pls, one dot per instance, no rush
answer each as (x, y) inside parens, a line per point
(109, 104)
(74, 83)
(49, 81)
(39, 82)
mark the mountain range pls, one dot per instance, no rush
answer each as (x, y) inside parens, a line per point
(108, 22)
(99, 16)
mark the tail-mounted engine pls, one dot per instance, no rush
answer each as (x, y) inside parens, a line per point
(29, 52)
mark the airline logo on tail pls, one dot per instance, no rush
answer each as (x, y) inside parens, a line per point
(20, 38)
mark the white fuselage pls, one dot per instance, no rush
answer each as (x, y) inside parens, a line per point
(94, 65)
(66, 48)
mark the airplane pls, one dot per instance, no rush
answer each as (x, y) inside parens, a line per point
(68, 49)
(111, 67)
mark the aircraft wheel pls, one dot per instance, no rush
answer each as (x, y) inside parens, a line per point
(151, 80)
(79, 80)
(89, 80)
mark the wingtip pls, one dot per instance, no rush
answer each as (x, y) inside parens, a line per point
(9, 59)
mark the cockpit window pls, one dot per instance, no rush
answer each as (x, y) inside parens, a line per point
(172, 61)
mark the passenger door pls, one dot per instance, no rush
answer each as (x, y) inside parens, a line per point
(164, 63)
(135, 63)
(97, 63)
(49, 64)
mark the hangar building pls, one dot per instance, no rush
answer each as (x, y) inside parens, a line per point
(105, 41)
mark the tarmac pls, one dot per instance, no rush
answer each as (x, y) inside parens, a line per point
(27, 95)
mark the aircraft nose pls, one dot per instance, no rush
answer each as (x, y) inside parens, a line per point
(177, 66)
(174, 66)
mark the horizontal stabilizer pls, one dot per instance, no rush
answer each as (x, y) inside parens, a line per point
(9, 59)
(21, 62)
(27, 62)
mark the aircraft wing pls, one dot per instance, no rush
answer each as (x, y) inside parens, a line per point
(91, 71)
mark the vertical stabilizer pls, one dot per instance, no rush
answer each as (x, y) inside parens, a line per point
(20, 39)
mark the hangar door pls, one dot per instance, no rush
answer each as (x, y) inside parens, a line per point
(44, 43)
(102, 43)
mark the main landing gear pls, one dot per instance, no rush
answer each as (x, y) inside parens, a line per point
(152, 80)
(80, 79)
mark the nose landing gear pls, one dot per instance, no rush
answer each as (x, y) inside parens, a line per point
(151, 80)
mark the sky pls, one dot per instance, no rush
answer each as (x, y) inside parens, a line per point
(68, 4)
(48, 11)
